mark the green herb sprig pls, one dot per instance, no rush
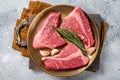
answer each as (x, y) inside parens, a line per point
(69, 35)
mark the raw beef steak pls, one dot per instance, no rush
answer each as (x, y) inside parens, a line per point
(70, 57)
(78, 22)
(46, 36)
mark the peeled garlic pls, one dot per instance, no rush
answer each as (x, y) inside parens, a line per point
(91, 50)
(44, 52)
(54, 51)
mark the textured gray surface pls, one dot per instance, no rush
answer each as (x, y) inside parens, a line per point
(15, 67)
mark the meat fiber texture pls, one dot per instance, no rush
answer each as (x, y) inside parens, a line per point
(78, 23)
(46, 36)
(70, 57)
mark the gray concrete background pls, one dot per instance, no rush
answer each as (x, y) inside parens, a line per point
(13, 66)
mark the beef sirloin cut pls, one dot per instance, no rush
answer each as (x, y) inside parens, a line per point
(78, 22)
(70, 57)
(46, 36)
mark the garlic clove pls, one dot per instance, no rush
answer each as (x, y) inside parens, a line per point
(55, 51)
(91, 50)
(44, 52)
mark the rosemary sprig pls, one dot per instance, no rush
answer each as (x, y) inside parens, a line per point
(69, 35)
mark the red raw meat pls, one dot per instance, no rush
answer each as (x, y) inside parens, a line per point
(78, 22)
(70, 57)
(46, 36)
